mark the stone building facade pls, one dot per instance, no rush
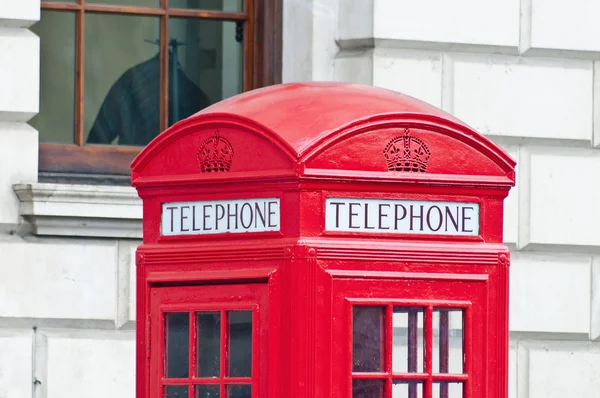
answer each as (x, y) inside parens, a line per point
(526, 73)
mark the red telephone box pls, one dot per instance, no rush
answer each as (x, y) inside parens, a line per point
(322, 240)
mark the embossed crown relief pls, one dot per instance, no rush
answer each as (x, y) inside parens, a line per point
(407, 153)
(215, 154)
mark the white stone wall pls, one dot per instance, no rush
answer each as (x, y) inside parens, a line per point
(526, 74)
(66, 305)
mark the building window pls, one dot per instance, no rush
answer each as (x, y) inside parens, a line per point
(115, 73)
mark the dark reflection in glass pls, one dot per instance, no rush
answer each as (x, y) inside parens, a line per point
(240, 343)
(213, 5)
(401, 389)
(206, 64)
(207, 391)
(239, 391)
(365, 388)
(177, 341)
(208, 332)
(122, 79)
(367, 339)
(56, 119)
(176, 392)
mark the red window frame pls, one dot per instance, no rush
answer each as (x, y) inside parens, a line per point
(429, 294)
(209, 298)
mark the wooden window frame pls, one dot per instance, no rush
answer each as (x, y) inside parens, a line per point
(262, 67)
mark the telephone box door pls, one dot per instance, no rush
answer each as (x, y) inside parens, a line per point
(211, 340)
(417, 337)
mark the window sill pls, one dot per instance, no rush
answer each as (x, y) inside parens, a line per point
(81, 210)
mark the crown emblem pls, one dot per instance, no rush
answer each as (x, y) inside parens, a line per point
(407, 153)
(215, 154)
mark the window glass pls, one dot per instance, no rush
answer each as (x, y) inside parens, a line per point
(219, 5)
(367, 339)
(403, 389)
(207, 391)
(239, 391)
(408, 343)
(447, 341)
(56, 118)
(240, 344)
(176, 392)
(177, 342)
(367, 388)
(208, 350)
(139, 3)
(206, 63)
(122, 79)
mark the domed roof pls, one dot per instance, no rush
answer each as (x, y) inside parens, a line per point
(303, 113)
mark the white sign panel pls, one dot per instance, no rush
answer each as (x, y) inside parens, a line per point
(402, 216)
(221, 216)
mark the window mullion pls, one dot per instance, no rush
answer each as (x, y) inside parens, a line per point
(79, 74)
(428, 341)
(388, 348)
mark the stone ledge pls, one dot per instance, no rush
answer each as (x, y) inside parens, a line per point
(81, 210)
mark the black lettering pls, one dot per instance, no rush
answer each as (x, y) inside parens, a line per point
(219, 217)
(454, 221)
(242, 215)
(271, 213)
(230, 216)
(183, 218)
(337, 212)
(367, 217)
(381, 215)
(396, 215)
(172, 216)
(350, 215)
(412, 217)
(465, 218)
(194, 219)
(206, 216)
(259, 214)
(439, 218)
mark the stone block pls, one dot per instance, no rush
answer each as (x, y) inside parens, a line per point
(468, 22)
(19, 13)
(556, 25)
(550, 293)
(558, 370)
(560, 206)
(90, 364)
(16, 359)
(510, 96)
(18, 163)
(74, 281)
(19, 74)
(414, 73)
(354, 67)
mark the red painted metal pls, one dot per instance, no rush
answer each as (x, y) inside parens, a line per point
(304, 143)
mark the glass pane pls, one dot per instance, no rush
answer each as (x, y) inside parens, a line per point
(208, 391)
(217, 5)
(56, 120)
(240, 344)
(239, 391)
(407, 389)
(447, 341)
(206, 64)
(367, 339)
(122, 79)
(208, 332)
(177, 341)
(176, 392)
(447, 390)
(408, 342)
(139, 3)
(365, 388)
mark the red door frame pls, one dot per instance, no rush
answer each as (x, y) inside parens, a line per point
(416, 290)
(251, 296)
